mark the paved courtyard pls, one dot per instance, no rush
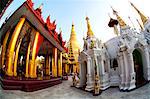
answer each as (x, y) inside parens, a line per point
(64, 91)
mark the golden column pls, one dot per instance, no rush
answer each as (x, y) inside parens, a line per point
(53, 63)
(4, 47)
(16, 58)
(32, 61)
(60, 65)
(12, 44)
(27, 60)
(54, 67)
(66, 68)
(47, 65)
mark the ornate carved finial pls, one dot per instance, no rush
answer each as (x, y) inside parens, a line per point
(49, 25)
(54, 22)
(87, 18)
(41, 6)
(30, 3)
(39, 10)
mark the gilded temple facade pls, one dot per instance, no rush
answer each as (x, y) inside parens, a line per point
(25, 37)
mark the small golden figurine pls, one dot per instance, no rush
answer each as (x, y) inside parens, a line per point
(97, 90)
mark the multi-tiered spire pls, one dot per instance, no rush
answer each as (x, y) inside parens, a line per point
(143, 17)
(71, 54)
(74, 43)
(120, 20)
(89, 32)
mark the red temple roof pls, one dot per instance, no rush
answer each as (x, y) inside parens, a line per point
(50, 26)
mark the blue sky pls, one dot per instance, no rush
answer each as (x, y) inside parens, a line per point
(67, 11)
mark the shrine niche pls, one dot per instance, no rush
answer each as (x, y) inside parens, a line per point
(138, 66)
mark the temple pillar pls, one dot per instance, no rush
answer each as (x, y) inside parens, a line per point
(54, 62)
(60, 65)
(147, 64)
(16, 58)
(27, 61)
(132, 73)
(66, 68)
(11, 46)
(102, 68)
(74, 68)
(4, 47)
(32, 61)
(126, 69)
(48, 65)
(81, 81)
(89, 83)
(122, 71)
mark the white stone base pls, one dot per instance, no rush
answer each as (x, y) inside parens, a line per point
(114, 80)
(147, 75)
(89, 88)
(104, 82)
(132, 81)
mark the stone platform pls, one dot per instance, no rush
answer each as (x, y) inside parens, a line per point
(28, 85)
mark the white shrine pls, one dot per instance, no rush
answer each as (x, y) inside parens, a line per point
(123, 61)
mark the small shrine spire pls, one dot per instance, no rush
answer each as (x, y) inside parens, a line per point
(120, 20)
(140, 24)
(143, 17)
(89, 32)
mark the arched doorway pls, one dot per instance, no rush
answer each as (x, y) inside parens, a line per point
(84, 73)
(138, 67)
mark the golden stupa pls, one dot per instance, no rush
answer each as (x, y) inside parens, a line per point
(73, 51)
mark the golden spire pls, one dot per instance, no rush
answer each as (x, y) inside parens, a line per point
(73, 34)
(73, 37)
(120, 20)
(71, 54)
(89, 32)
(73, 43)
(143, 18)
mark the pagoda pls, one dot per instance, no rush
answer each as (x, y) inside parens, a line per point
(73, 52)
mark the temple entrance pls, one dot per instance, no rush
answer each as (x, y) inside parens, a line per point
(84, 73)
(138, 67)
(22, 55)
